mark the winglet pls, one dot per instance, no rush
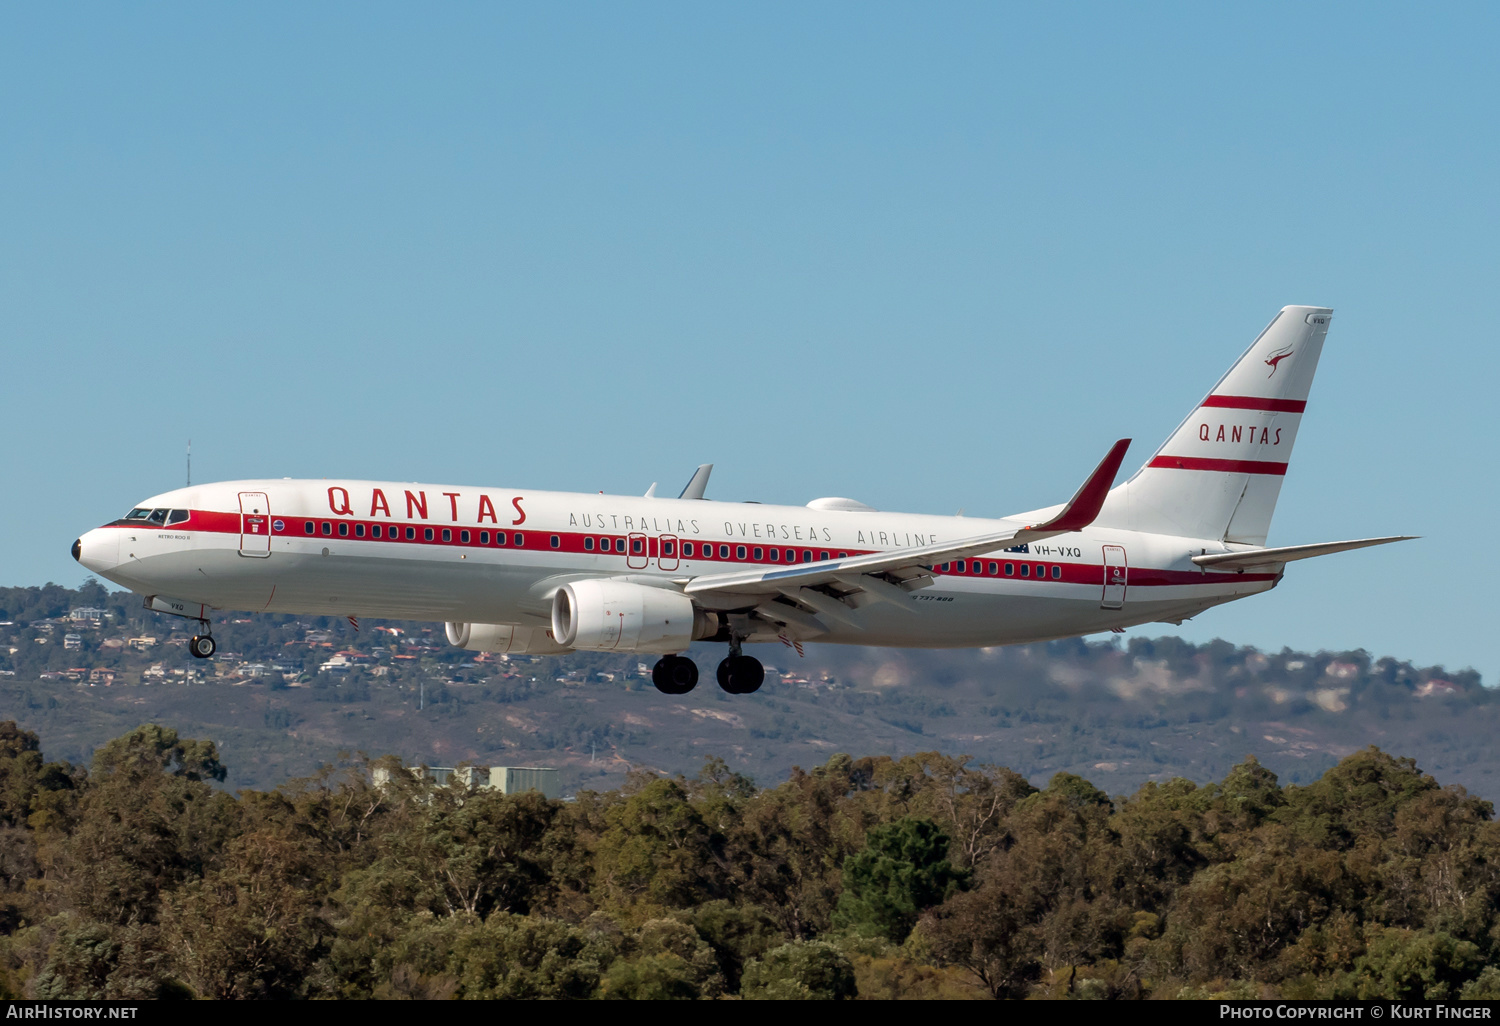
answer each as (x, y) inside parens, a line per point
(1084, 506)
(698, 483)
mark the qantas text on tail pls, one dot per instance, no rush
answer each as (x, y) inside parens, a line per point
(512, 570)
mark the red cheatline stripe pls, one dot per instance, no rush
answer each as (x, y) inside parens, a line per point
(1223, 466)
(538, 542)
(1251, 402)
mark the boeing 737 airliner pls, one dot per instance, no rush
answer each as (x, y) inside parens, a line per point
(514, 570)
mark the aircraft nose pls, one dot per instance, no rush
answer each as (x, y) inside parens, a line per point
(98, 550)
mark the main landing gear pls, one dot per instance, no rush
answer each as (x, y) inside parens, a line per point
(202, 645)
(738, 675)
(674, 675)
(741, 674)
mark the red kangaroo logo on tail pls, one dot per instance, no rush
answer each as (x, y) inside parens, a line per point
(1277, 357)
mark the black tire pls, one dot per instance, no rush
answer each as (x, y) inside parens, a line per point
(741, 675)
(674, 675)
(747, 675)
(202, 646)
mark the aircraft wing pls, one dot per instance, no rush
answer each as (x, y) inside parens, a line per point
(1265, 557)
(891, 575)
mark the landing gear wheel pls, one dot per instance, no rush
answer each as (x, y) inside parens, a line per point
(674, 675)
(741, 675)
(202, 646)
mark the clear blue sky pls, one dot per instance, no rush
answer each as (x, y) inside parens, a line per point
(930, 256)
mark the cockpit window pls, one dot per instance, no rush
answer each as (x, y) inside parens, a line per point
(158, 517)
(137, 514)
(177, 516)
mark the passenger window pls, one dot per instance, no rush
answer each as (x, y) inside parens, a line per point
(1057, 573)
(843, 555)
(687, 548)
(620, 545)
(359, 530)
(635, 546)
(807, 555)
(944, 568)
(759, 553)
(343, 529)
(411, 534)
(519, 538)
(177, 516)
(588, 545)
(739, 552)
(822, 555)
(375, 531)
(723, 551)
(327, 528)
(484, 537)
(1041, 571)
(556, 542)
(776, 555)
(791, 555)
(667, 548)
(1010, 569)
(427, 534)
(157, 517)
(960, 567)
(308, 527)
(447, 534)
(463, 536)
(499, 537)
(1025, 570)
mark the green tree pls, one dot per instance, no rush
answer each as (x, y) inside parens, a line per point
(903, 870)
(800, 971)
(658, 853)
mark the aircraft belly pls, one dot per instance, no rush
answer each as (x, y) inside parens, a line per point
(951, 618)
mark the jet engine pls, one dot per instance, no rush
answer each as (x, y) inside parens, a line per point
(503, 637)
(616, 616)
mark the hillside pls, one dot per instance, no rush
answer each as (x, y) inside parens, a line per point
(285, 695)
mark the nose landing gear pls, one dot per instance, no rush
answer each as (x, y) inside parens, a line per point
(674, 675)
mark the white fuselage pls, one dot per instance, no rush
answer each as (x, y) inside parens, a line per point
(495, 555)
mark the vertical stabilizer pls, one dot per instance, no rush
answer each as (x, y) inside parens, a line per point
(1219, 474)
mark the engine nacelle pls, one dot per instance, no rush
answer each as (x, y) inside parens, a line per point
(616, 616)
(503, 637)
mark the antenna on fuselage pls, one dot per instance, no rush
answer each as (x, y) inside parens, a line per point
(190, 463)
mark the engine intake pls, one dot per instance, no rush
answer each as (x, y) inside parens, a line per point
(616, 616)
(503, 637)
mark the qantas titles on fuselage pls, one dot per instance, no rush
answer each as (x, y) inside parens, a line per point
(526, 571)
(480, 510)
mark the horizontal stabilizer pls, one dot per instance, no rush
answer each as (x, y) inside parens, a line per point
(1286, 554)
